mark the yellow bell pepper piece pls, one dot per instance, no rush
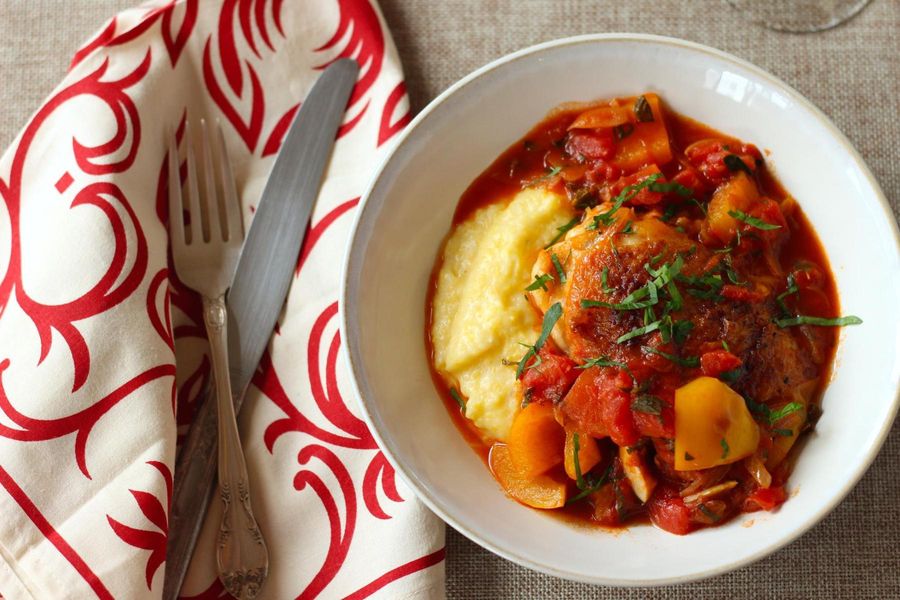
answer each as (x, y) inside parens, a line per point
(712, 425)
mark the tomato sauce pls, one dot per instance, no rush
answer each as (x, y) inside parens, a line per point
(551, 151)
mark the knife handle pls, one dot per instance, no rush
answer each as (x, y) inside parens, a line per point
(195, 478)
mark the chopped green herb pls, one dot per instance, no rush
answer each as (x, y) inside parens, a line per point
(700, 205)
(540, 282)
(725, 448)
(563, 230)
(664, 187)
(623, 131)
(807, 320)
(591, 487)
(627, 229)
(638, 331)
(756, 408)
(730, 247)
(735, 164)
(752, 221)
(681, 330)
(604, 274)
(584, 198)
(602, 361)
(725, 346)
(687, 456)
(630, 191)
(668, 213)
(559, 270)
(642, 111)
(688, 361)
(550, 318)
(712, 516)
(647, 404)
(789, 291)
(550, 174)
(787, 409)
(458, 398)
(576, 447)
(731, 376)
(783, 432)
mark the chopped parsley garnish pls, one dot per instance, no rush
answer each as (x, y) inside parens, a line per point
(735, 164)
(668, 213)
(550, 318)
(627, 229)
(458, 398)
(820, 321)
(642, 111)
(725, 346)
(550, 174)
(752, 221)
(783, 432)
(787, 409)
(576, 460)
(602, 361)
(559, 270)
(590, 486)
(638, 331)
(604, 274)
(789, 291)
(731, 376)
(712, 516)
(725, 449)
(688, 361)
(540, 282)
(623, 131)
(664, 187)
(647, 404)
(756, 408)
(730, 247)
(563, 230)
(687, 456)
(630, 191)
(700, 205)
(680, 331)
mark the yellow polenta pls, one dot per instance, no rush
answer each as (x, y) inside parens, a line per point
(480, 313)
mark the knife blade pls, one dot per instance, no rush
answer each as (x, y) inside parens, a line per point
(261, 282)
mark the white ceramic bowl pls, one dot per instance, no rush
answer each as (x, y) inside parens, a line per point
(407, 212)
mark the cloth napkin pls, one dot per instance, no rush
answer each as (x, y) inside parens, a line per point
(103, 352)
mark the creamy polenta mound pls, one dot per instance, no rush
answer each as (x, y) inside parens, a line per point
(480, 313)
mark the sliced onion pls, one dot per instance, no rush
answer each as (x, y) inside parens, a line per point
(709, 492)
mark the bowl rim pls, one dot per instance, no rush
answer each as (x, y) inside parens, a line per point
(349, 348)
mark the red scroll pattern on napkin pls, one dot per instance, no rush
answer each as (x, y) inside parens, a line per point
(104, 523)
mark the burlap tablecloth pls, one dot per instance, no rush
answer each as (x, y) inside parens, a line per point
(852, 73)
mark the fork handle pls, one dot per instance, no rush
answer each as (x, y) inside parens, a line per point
(241, 554)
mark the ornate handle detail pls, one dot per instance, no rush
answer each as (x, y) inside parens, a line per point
(242, 557)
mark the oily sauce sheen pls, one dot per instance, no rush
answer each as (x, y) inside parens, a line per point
(536, 160)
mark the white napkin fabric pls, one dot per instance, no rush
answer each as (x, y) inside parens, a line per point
(103, 353)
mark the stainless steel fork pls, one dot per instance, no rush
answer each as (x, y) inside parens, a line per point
(205, 249)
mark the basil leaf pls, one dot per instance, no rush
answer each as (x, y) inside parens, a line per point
(623, 131)
(563, 230)
(638, 331)
(752, 221)
(603, 281)
(642, 111)
(725, 449)
(822, 322)
(559, 269)
(550, 318)
(664, 187)
(551, 173)
(592, 487)
(787, 409)
(647, 404)
(540, 282)
(629, 192)
(783, 432)
(458, 398)
(602, 361)
(789, 291)
(689, 361)
(735, 164)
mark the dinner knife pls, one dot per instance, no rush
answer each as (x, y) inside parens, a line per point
(261, 282)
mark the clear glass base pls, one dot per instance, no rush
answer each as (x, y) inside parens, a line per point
(799, 16)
